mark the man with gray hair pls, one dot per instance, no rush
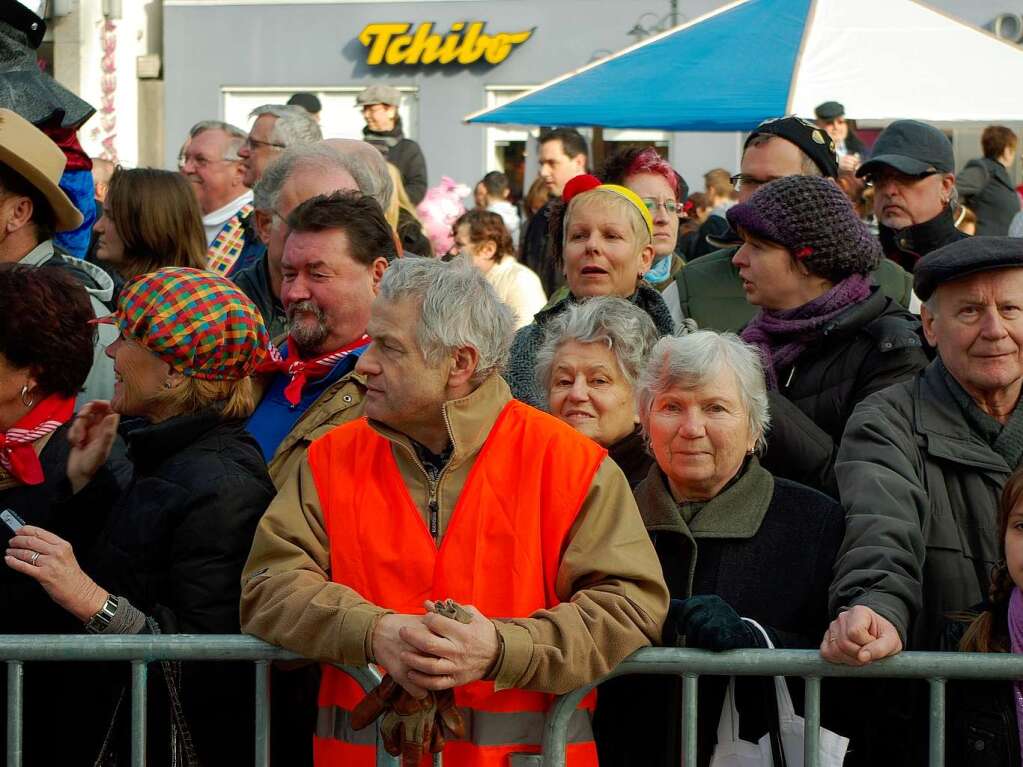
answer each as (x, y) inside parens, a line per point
(211, 164)
(401, 537)
(275, 129)
(299, 173)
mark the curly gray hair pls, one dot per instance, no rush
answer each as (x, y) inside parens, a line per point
(626, 329)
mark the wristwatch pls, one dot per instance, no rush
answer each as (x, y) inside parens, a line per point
(99, 622)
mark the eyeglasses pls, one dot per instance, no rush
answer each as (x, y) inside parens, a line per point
(670, 206)
(199, 161)
(251, 143)
(894, 177)
(740, 180)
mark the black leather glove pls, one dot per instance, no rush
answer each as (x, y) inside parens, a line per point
(708, 622)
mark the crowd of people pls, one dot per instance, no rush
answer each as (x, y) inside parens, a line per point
(780, 412)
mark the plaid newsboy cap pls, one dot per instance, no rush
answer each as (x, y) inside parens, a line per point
(198, 322)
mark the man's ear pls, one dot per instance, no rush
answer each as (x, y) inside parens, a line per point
(263, 221)
(927, 320)
(379, 267)
(465, 360)
(17, 214)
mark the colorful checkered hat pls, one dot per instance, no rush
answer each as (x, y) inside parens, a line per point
(197, 322)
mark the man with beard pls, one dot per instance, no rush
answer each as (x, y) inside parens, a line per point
(336, 249)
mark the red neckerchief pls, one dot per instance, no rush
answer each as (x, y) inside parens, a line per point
(16, 452)
(302, 371)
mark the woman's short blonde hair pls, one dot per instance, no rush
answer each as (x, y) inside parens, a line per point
(611, 202)
(232, 399)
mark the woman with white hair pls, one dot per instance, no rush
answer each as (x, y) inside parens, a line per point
(734, 542)
(588, 366)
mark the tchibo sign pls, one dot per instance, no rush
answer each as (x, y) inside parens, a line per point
(466, 43)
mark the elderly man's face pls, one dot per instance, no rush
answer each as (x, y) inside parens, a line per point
(901, 200)
(700, 436)
(836, 128)
(216, 180)
(976, 323)
(259, 150)
(325, 291)
(403, 390)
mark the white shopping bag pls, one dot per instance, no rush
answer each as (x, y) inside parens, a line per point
(732, 752)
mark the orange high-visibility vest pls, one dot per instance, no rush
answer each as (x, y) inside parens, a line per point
(500, 553)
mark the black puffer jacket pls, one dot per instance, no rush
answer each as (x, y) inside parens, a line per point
(907, 246)
(987, 190)
(405, 155)
(174, 546)
(869, 347)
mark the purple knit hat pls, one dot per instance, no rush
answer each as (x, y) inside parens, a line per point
(813, 219)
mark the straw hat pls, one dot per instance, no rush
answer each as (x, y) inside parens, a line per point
(29, 152)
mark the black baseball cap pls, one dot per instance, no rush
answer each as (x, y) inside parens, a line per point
(965, 257)
(815, 143)
(829, 110)
(911, 147)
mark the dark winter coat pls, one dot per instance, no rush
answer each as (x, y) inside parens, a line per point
(254, 281)
(983, 730)
(764, 545)
(867, 348)
(25, 608)
(921, 491)
(536, 251)
(632, 457)
(174, 545)
(520, 372)
(986, 189)
(907, 246)
(709, 291)
(405, 155)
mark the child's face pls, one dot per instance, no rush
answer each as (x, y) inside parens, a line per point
(1014, 544)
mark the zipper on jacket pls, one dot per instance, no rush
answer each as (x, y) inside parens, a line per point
(434, 509)
(788, 381)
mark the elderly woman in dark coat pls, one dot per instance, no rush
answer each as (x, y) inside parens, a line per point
(170, 556)
(734, 541)
(588, 366)
(827, 335)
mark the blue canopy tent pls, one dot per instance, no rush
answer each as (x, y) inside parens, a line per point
(755, 59)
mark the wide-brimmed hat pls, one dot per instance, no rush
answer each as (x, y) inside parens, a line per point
(32, 154)
(23, 87)
(197, 322)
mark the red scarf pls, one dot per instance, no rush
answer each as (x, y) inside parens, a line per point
(16, 452)
(302, 371)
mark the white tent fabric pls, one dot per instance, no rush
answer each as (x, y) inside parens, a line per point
(882, 59)
(889, 59)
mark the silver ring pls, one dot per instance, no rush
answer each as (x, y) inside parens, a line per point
(35, 556)
(831, 637)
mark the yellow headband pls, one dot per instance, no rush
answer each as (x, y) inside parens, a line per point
(635, 199)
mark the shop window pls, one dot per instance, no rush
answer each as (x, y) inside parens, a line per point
(340, 117)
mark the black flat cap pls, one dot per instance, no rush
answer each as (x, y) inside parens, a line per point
(829, 110)
(911, 147)
(963, 258)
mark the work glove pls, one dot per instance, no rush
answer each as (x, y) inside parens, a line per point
(708, 622)
(412, 727)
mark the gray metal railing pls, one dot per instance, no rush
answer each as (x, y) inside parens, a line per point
(140, 651)
(935, 667)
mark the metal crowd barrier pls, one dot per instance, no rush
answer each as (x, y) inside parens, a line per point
(140, 651)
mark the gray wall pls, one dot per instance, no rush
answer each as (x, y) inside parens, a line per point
(208, 46)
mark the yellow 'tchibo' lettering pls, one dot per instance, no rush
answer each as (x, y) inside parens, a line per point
(466, 43)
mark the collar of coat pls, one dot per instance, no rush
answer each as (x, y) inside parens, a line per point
(735, 512)
(469, 419)
(907, 246)
(939, 420)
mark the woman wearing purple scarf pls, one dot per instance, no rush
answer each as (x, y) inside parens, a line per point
(986, 718)
(827, 335)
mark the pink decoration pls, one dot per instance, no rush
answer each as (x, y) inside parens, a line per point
(108, 89)
(439, 210)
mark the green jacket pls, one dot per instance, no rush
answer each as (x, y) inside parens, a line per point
(709, 291)
(920, 491)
